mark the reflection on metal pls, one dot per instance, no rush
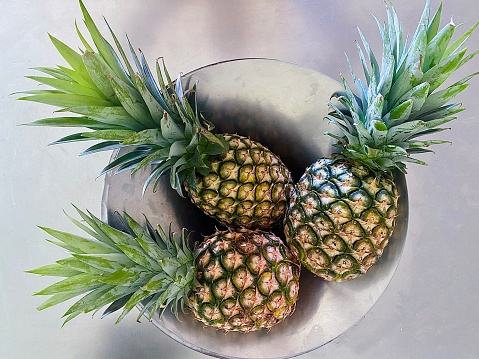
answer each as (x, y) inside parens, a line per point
(282, 106)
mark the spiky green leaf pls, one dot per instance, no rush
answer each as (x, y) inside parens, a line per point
(54, 270)
(104, 48)
(100, 73)
(81, 244)
(66, 86)
(74, 59)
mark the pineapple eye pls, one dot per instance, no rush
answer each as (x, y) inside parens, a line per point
(241, 322)
(278, 192)
(213, 272)
(278, 173)
(319, 176)
(360, 200)
(262, 173)
(263, 210)
(383, 201)
(352, 231)
(230, 308)
(293, 291)
(371, 218)
(209, 196)
(306, 235)
(250, 298)
(380, 236)
(334, 245)
(275, 302)
(202, 294)
(234, 142)
(245, 192)
(257, 155)
(211, 313)
(317, 258)
(222, 215)
(203, 259)
(284, 273)
(346, 181)
(311, 204)
(246, 174)
(227, 188)
(228, 170)
(245, 208)
(227, 205)
(272, 254)
(242, 278)
(261, 317)
(232, 260)
(256, 263)
(321, 168)
(210, 180)
(391, 216)
(340, 213)
(246, 247)
(369, 261)
(242, 156)
(269, 158)
(261, 192)
(328, 193)
(220, 246)
(223, 289)
(344, 263)
(267, 283)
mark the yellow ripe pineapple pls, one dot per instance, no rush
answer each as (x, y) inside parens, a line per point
(342, 212)
(158, 125)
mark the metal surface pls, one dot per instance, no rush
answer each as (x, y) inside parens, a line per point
(269, 101)
(429, 310)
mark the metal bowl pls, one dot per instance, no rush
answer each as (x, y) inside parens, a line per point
(282, 106)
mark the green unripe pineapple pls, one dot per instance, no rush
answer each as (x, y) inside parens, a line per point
(340, 218)
(342, 212)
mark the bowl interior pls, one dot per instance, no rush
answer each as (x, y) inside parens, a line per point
(282, 106)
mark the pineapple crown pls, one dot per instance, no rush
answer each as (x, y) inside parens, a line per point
(119, 269)
(400, 100)
(123, 108)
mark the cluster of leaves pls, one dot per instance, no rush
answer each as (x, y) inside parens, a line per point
(119, 269)
(381, 121)
(124, 108)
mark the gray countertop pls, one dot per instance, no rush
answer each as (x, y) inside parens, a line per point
(429, 310)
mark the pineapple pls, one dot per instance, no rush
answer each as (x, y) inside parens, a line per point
(342, 212)
(234, 280)
(232, 178)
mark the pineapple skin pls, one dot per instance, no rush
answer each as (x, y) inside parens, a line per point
(246, 186)
(340, 217)
(246, 281)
